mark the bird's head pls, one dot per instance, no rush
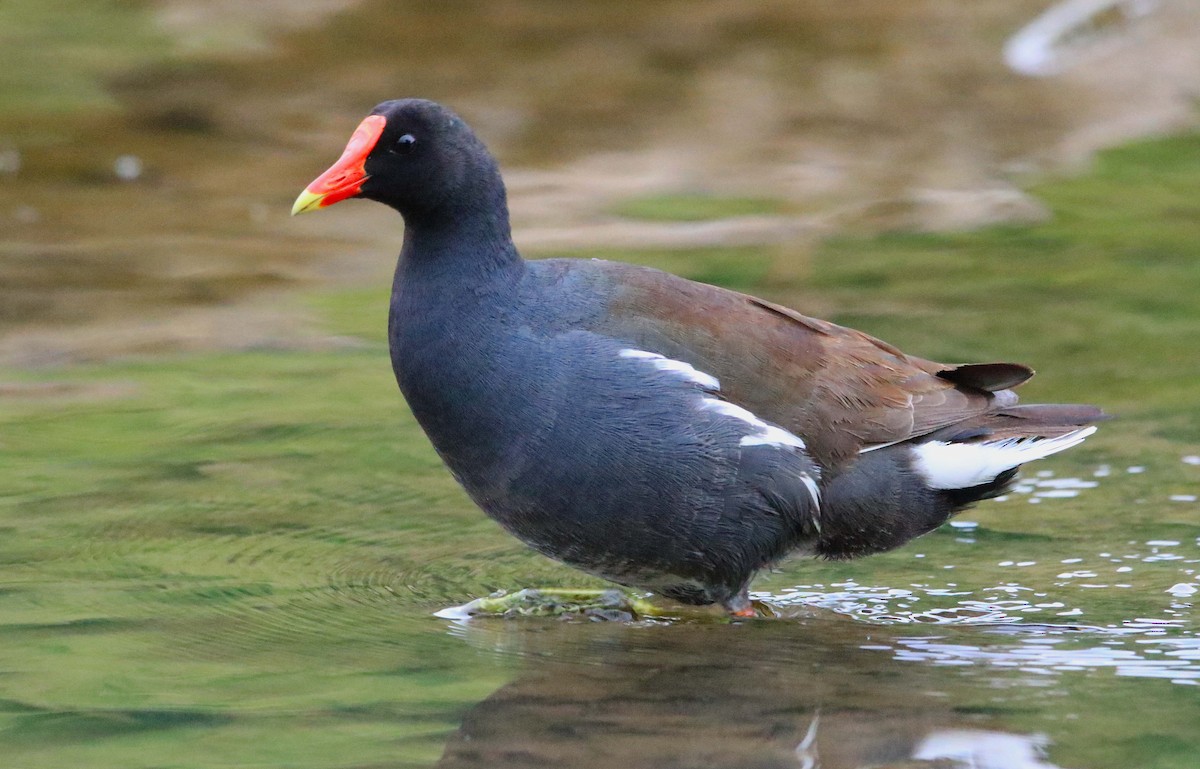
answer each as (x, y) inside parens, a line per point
(411, 154)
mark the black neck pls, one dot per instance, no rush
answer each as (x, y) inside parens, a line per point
(470, 237)
(453, 287)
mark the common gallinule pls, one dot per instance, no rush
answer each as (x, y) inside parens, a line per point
(657, 432)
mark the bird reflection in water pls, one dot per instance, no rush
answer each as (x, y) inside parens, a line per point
(764, 695)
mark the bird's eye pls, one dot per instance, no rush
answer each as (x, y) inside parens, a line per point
(405, 144)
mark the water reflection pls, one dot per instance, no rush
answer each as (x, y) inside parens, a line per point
(984, 750)
(809, 691)
(796, 694)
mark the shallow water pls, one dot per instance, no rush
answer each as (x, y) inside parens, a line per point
(224, 538)
(235, 559)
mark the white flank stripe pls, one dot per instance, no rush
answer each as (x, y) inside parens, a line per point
(963, 465)
(773, 436)
(767, 435)
(815, 492)
(629, 352)
(686, 370)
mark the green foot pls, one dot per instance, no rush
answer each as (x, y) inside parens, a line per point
(611, 604)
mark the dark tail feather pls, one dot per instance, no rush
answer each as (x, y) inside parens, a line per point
(1041, 420)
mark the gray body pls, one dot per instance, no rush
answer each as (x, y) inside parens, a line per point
(604, 461)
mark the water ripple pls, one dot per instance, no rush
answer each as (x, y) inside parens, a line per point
(1165, 648)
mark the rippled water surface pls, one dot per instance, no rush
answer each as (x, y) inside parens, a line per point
(223, 538)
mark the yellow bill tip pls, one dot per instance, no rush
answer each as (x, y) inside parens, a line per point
(307, 201)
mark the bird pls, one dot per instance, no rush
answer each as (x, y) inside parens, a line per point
(660, 433)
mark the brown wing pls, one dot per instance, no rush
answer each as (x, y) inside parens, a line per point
(840, 389)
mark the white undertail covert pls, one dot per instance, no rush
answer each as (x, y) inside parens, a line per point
(963, 465)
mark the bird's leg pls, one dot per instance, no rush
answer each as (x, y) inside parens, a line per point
(740, 606)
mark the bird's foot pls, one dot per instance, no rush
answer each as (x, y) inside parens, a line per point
(599, 604)
(596, 604)
(741, 607)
